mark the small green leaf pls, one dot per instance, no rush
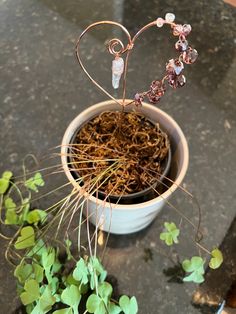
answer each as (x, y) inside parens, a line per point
(29, 308)
(80, 273)
(171, 233)
(48, 258)
(113, 308)
(128, 306)
(195, 267)
(105, 291)
(38, 249)
(7, 175)
(36, 215)
(4, 184)
(38, 272)
(71, 296)
(23, 272)
(5, 181)
(26, 238)
(95, 305)
(54, 284)
(11, 216)
(31, 292)
(216, 260)
(46, 300)
(9, 203)
(34, 182)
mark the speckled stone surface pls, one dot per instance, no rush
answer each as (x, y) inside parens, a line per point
(43, 89)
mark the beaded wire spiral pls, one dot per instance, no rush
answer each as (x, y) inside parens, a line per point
(174, 68)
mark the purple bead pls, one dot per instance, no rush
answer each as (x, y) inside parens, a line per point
(138, 98)
(190, 55)
(181, 45)
(153, 98)
(157, 88)
(176, 81)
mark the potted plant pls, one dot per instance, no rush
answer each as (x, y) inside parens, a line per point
(114, 157)
(117, 131)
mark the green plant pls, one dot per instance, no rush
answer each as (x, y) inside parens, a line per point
(46, 282)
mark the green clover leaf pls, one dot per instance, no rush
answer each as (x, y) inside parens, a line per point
(35, 181)
(105, 291)
(171, 233)
(195, 267)
(31, 292)
(128, 305)
(38, 249)
(45, 302)
(38, 272)
(113, 308)
(5, 181)
(36, 215)
(80, 273)
(216, 260)
(26, 238)
(95, 305)
(71, 296)
(23, 272)
(7, 175)
(11, 216)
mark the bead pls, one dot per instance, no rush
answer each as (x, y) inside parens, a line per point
(174, 66)
(181, 80)
(181, 45)
(177, 30)
(138, 98)
(176, 81)
(190, 55)
(186, 29)
(160, 22)
(117, 70)
(157, 88)
(153, 98)
(170, 17)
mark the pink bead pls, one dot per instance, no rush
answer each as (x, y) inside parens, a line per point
(190, 55)
(160, 22)
(177, 30)
(186, 29)
(181, 45)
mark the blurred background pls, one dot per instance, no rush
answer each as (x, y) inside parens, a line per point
(43, 88)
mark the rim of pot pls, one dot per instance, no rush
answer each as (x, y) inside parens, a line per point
(90, 112)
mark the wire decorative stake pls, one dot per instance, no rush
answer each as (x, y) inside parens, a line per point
(174, 68)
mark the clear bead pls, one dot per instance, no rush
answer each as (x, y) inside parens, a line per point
(117, 71)
(186, 29)
(181, 45)
(160, 22)
(170, 17)
(174, 66)
(190, 55)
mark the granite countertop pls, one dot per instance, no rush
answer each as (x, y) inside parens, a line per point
(43, 89)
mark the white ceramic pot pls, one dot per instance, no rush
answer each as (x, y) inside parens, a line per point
(124, 219)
